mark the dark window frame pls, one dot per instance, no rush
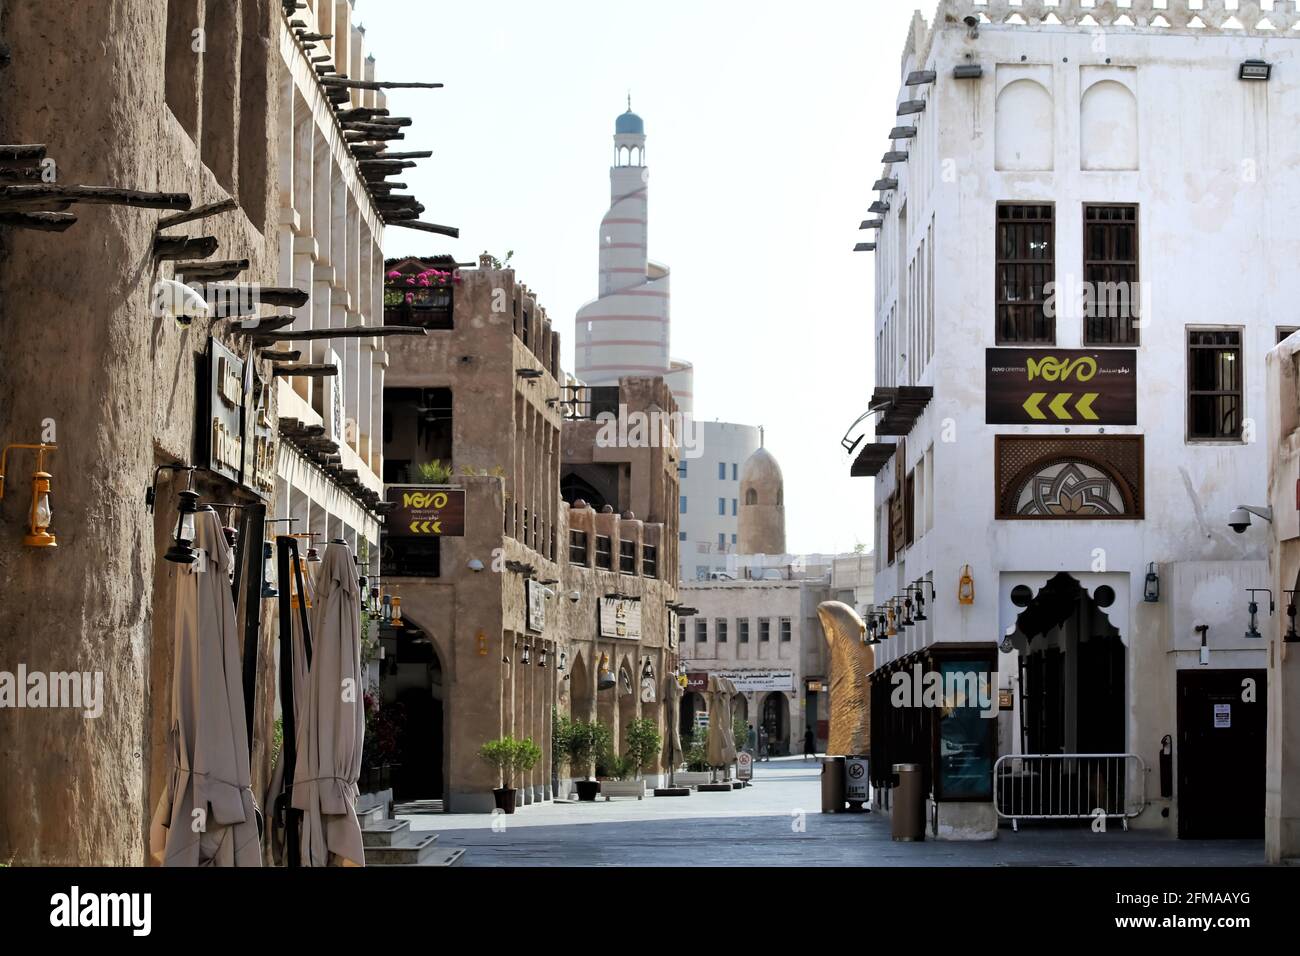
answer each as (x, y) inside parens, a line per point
(742, 630)
(1193, 393)
(604, 555)
(786, 630)
(720, 630)
(701, 630)
(649, 561)
(579, 550)
(1024, 321)
(627, 562)
(764, 630)
(1103, 329)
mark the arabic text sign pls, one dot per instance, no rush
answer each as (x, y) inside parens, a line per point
(620, 618)
(748, 681)
(426, 512)
(1060, 386)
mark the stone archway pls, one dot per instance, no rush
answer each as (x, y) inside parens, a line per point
(774, 720)
(581, 701)
(414, 690)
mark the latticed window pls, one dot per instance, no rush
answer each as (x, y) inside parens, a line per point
(627, 557)
(1025, 265)
(1214, 393)
(578, 548)
(650, 561)
(1110, 274)
(604, 553)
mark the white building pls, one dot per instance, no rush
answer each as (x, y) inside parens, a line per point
(331, 238)
(710, 498)
(1058, 451)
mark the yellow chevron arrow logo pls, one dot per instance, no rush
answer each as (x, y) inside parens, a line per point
(426, 527)
(1031, 405)
(1084, 406)
(1058, 408)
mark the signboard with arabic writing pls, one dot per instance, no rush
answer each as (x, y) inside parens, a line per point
(426, 512)
(1060, 387)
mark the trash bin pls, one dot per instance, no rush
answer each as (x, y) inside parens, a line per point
(857, 783)
(909, 803)
(832, 784)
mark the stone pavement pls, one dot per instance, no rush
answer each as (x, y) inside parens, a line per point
(778, 822)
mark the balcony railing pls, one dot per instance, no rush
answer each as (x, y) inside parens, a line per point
(420, 306)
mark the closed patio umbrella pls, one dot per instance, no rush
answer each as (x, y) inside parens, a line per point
(729, 734)
(333, 722)
(717, 739)
(674, 754)
(278, 840)
(207, 815)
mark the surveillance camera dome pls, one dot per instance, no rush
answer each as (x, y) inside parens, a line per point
(475, 565)
(575, 596)
(971, 20)
(1239, 520)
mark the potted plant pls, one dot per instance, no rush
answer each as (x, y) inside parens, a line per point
(697, 770)
(586, 741)
(509, 756)
(643, 742)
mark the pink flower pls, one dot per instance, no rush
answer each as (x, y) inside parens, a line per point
(394, 274)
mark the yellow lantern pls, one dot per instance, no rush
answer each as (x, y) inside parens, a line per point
(966, 587)
(40, 514)
(397, 612)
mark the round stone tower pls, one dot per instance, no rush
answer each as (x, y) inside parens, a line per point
(762, 505)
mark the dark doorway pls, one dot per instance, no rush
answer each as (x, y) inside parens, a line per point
(414, 680)
(1072, 673)
(1222, 753)
(776, 723)
(692, 704)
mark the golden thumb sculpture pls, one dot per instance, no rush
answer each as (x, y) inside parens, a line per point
(851, 665)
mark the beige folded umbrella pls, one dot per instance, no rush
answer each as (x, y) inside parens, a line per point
(729, 735)
(717, 739)
(333, 721)
(674, 754)
(278, 841)
(207, 816)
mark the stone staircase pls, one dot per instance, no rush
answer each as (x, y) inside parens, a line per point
(391, 843)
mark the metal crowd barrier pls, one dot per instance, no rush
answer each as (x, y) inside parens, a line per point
(1069, 787)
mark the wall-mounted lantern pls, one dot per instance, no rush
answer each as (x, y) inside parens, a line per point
(526, 657)
(1252, 629)
(1151, 590)
(563, 663)
(386, 609)
(541, 656)
(481, 637)
(39, 514)
(397, 612)
(606, 679)
(181, 551)
(1204, 631)
(966, 587)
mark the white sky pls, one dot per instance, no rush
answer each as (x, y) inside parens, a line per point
(765, 124)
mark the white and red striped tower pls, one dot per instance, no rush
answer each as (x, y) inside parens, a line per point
(627, 330)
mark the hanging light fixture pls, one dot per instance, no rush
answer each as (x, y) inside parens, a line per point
(907, 611)
(563, 661)
(386, 612)
(1204, 631)
(397, 614)
(481, 636)
(181, 551)
(966, 587)
(269, 590)
(605, 680)
(920, 602)
(1252, 628)
(891, 619)
(376, 614)
(1151, 590)
(541, 656)
(526, 657)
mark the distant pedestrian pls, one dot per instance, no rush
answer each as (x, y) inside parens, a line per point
(762, 747)
(809, 744)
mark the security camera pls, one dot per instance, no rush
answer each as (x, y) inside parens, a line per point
(575, 596)
(475, 565)
(1239, 520)
(973, 23)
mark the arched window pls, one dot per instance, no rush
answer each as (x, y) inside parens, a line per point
(751, 497)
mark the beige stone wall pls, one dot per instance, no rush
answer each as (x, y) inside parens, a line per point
(78, 345)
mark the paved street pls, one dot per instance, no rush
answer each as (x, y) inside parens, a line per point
(777, 822)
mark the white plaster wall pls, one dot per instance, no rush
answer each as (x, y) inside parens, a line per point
(720, 442)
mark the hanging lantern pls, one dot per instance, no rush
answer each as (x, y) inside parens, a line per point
(181, 551)
(966, 587)
(386, 613)
(376, 613)
(907, 612)
(541, 657)
(397, 612)
(482, 645)
(39, 514)
(563, 662)
(605, 680)
(1290, 637)
(1151, 590)
(269, 590)
(526, 657)
(1252, 629)
(890, 617)
(920, 603)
